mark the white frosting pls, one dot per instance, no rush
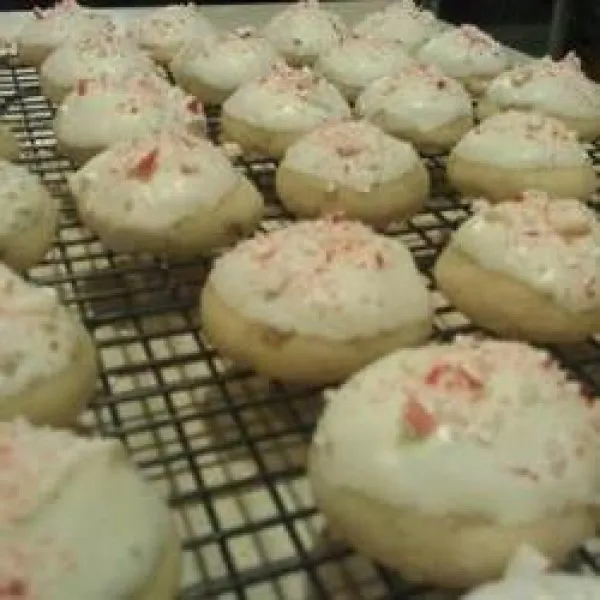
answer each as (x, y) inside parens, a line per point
(476, 428)
(166, 30)
(66, 21)
(554, 586)
(401, 21)
(558, 88)
(24, 202)
(304, 30)
(109, 109)
(351, 153)
(76, 520)
(93, 56)
(156, 181)
(416, 97)
(551, 245)
(522, 140)
(43, 335)
(226, 61)
(465, 52)
(357, 61)
(330, 279)
(287, 99)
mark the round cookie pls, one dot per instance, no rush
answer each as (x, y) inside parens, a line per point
(401, 21)
(455, 456)
(528, 268)
(212, 69)
(315, 301)
(29, 217)
(512, 152)
(172, 195)
(420, 104)
(78, 521)
(10, 149)
(266, 115)
(468, 54)
(546, 586)
(166, 30)
(47, 29)
(559, 89)
(48, 371)
(91, 57)
(358, 61)
(352, 168)
(101, 112)
(304, 31)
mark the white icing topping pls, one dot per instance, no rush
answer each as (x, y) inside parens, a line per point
(352, 153)
(465, 52)
(111, 108)
(357, 61)
(415, 97)
(24, 202)
(552, 245)
(522, 140)
(476, 428)
(559, 88)
(304, 30)
(330, 279)
(76, 520)
(226, 61)
(42, 334)
(555, 586)
(166, 29)
(66, 21)
(401, 21)
(156, 181)
(287, 99)
(93, 56)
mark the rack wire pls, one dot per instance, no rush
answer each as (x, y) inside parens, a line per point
(227, 448)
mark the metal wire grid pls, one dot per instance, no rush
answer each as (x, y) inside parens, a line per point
(227, 448)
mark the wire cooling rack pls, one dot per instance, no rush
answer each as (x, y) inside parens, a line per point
(227, 448)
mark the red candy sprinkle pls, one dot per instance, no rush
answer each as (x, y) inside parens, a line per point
(82, 86)
(195, 106)
(146, 166)
(452, 377)
(13, 588)
(419, 419)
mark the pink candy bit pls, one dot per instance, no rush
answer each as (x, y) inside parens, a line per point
(418, 419)
(195, 106)
(146, 166)
(452, 377)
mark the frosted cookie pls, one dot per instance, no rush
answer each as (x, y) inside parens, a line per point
(91, 57)
(420, 104)
(556, 88)
(172, 195)
(467, 54)
(548, 586)
(304, 31)
(212, 69)
(528, 268)
(47, 29)
(10, 148)
(456, 455)
(78, 521)
(315, 301)
(29, 217)
(266, 115)
(358, 60)
(103, 111)
(355, 169)
(48, 370)
(514, 151)
(400, 21)
(164, 31)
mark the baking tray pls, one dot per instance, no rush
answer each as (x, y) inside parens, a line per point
(226, 448)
